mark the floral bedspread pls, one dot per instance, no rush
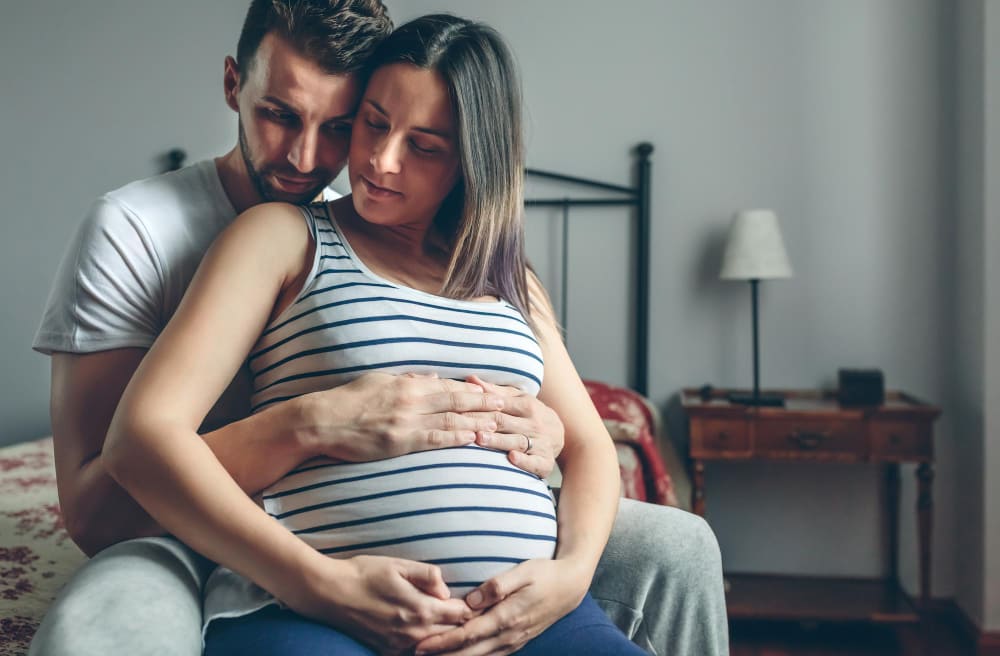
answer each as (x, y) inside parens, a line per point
(36, 555)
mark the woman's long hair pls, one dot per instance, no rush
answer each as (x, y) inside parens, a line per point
(482, 216)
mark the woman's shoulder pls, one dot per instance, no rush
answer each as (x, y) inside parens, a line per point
(273, 233)
(272, 224)
(276, 215)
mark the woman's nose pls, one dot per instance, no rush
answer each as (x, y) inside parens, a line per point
(386, 155)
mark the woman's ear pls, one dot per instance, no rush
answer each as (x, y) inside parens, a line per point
(231, 84)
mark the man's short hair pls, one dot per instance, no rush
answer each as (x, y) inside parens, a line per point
(339, 35)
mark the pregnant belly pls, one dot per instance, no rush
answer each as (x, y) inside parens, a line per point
(467, 510)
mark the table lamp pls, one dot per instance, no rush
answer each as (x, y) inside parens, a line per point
(755, 251)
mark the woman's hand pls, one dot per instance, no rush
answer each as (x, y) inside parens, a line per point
(516, 606)
(388, 603)
(523, 417)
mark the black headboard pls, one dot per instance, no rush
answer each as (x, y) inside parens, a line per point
(638, 197)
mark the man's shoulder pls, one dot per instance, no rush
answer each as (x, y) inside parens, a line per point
(192, 184)
(189, 201)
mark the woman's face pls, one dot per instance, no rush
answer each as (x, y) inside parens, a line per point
(404, 147)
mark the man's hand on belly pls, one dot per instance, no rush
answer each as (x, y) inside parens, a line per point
(380, 416)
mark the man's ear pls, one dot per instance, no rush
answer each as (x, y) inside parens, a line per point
(231, 84)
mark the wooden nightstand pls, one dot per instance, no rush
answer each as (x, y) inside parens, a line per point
(813, 427)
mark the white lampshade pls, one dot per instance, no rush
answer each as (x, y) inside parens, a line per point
(754, 248)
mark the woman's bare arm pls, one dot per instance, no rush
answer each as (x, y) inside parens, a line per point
(154, 451)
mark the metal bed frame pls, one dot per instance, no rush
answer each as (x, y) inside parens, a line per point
(638, 197)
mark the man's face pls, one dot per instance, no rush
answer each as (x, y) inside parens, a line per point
(295, 121)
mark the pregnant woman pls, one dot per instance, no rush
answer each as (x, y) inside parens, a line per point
(422, 272)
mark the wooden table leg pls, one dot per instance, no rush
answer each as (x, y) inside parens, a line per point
(910, 638)
(925, 523)
(892, 504)
(698, 487)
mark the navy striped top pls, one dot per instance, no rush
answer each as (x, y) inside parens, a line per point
(465, 509)
(347, 321)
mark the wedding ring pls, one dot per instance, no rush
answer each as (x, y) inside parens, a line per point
(527, 449)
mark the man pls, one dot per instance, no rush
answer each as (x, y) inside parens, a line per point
(295, 82)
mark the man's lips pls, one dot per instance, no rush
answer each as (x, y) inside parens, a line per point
(296, 184)
(376, 191)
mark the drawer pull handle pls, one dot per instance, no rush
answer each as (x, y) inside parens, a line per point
(807, 440)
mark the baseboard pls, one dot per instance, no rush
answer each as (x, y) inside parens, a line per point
(981, 643)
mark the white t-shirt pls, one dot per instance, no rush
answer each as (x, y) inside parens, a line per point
(129, 264)
(134, 254)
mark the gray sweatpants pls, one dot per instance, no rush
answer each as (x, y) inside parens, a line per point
(660, 580)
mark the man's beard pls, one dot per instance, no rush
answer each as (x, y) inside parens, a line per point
(266, 191)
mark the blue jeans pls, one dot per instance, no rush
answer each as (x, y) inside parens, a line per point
(272, 630)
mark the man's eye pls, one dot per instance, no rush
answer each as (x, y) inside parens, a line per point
(339, 128)
(375, 125)
(281, 116)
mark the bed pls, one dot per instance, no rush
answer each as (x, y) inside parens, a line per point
(37, 556)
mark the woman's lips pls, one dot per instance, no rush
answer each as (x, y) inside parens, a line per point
(376, 191)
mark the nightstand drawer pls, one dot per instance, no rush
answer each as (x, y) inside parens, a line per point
(900, 441)
(715, 436)
(810, 439)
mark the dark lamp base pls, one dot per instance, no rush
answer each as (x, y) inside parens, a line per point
(762, 399)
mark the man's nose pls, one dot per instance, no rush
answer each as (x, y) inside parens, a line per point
(302, 154)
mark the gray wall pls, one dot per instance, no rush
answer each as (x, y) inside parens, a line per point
(92, 94)
(836, 113)
(968, 400)
(976, 394)
(991, 305)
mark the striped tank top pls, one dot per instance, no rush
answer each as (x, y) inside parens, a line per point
(465, 509)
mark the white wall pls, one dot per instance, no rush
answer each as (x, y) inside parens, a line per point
(837, 113)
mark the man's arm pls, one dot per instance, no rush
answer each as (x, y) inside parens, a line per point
(394, 415)
(257, 450)
(85, 393)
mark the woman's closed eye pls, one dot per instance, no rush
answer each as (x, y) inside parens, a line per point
(420, 146)
(424, 148)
